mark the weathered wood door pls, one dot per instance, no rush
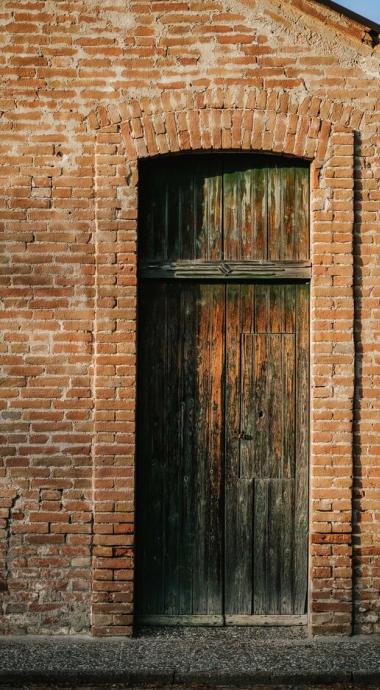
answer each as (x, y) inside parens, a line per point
(223, 431)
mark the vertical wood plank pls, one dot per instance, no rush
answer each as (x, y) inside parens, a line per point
(188, 498)
(172, 429)
(302, 214)
(202, 378)
(238, 460)
(216, 431)
(275, 219)
(273, 542)
(208, 182)
(239, 546)
(288, 211)
(173, 199)
(260, 547)
(274, 406)
(289, 405)
(273, 547)
(187, 216)
(235, 295)
(238, 210)
(261, 309)
(232, 215)
(276, 308)
(260, 402)
(289, 308)
(259, 214)
(280, 531)
(207, 575)
(248, 420)
(285, 517)
(302, 449)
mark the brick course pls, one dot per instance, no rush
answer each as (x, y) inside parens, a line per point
(89, 90)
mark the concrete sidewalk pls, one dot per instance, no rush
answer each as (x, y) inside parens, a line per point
(225, 657)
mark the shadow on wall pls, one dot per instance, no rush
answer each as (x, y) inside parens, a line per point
(359, 620)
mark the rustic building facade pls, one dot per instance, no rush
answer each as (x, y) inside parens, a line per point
(101, 103)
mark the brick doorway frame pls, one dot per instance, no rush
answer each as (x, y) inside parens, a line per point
(230, 120)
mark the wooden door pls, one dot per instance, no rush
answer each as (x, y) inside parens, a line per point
(180, 449)
(222, 457)
(266, 450)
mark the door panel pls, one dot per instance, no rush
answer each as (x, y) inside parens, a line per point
(181, 211)
(223, 380)
(244, 204)
(232, 208)
(180, 430)
(266, 474)
(273, 547)
(224, 430)
(301, 455)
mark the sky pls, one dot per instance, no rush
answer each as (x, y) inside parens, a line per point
(367, 8)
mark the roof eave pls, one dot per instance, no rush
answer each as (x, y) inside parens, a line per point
(373, 26)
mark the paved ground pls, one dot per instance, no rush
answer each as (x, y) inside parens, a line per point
(182, 687)
(244, 658)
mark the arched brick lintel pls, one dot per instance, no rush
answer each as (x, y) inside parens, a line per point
(275, 122)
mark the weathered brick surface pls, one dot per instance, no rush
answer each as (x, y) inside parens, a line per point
(88, 90)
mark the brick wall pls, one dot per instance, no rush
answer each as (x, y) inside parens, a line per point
(89, 89)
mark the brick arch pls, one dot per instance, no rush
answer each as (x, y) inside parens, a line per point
(273, 121)
(223, 119)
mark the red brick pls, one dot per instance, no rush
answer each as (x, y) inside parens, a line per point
(70, 142)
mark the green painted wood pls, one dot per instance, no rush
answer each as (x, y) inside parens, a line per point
(276, 314)
(259, 404)
(301, 214)
(278, 551)
(260, 222)
(173, 217)
(238, 459)
(283, 521)
(274, 406)
(239, 546)
(260, 558)
(180, 451)
(301, 456)
(289, 308)
(261, 417)
(222, 461)
(207, 567)
(186, 219)
(209, 225)
(188, 418)
(238, 205)
(265, 210)
(224, 208)
(289, 411)
(274, 214)
(207, 380)
(288, 212)
(273, 547)
(172, 450)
